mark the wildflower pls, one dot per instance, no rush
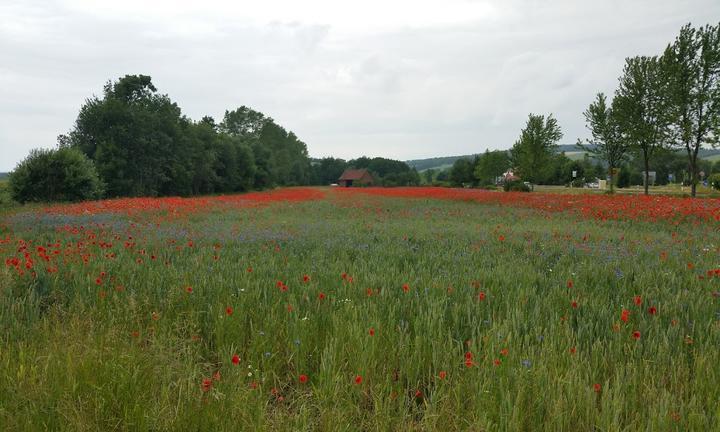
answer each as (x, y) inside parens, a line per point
(306, 278)
(497, 362)
(442, 375)
(625, 315)
(228, 310)
(636, 335)
(501, 238)
(504, 351)
(527, 363)
(637, 300)
(249, 269)
(597, 388)
(216, 376)
(321, 296)
(235, 359)
(418, 394)
(371, 332)
(481, 296)
(574, 304)
(188, 289)
(652, 310)
(98, 281)
(206, 384)
(406, 287)
(303, 379)
(358, 379)
(572, 350)
(569, 283)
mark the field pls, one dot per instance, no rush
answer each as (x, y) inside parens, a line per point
(368, 309)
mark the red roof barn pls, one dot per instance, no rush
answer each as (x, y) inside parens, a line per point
(356, 177)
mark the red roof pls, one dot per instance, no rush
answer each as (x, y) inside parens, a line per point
(353, 174)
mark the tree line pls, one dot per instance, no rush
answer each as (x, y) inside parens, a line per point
(134, 141)
(663, 104)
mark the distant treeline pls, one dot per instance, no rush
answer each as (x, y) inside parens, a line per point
(138, 143)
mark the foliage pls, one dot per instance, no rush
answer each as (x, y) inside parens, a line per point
(691, 66)
(373, 309)
(142, 145)
(607, 143)
(462, 172)
(389, 172)
(63, 174)
(490, 166)
(515, 186)
(532, 152)
(714, 181)
(640, 109)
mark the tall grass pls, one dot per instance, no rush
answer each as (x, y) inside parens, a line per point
(483, 337)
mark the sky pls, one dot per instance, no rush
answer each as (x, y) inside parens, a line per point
(403, 79)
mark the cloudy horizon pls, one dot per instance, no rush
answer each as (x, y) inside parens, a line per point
(402, 79)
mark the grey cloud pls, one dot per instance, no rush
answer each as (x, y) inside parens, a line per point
(402, 92)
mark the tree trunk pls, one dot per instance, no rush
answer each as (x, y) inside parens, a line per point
(647, 172)
(610, 176)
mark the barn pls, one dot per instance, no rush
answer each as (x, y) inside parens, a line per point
(356, 177)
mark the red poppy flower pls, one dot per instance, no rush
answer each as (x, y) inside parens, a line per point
(469, 363)
(216, 376)
(504, 351)
(481, 296)
(249, 269)
(637, 300)
(98, 281)
(501, 238)
(597, 388)
(497, 362)
(303, 379)
(442, 375)
(321, 296)
(574, 304)
(572, 350)
(406, 287)
(625, 315)
(569, 283)
(652, 310)
(418, 394)
(371, 332)
(228, 310)
(358, 379)
(636, 335)
(306, 278)
(235, 359)
(188, 289)
(206, 384)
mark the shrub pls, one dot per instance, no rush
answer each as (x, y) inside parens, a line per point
(64, 174)
(714, 181)
(515, 186)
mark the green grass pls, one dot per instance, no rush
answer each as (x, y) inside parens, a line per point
(78, 355)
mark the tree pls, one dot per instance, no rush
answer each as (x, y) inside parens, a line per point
(135, 137)
(491, 165)
(607, 143)
(640, 109)
(461, 172)
(328, 170)
(691, 65)
(533, 151)
(64, 174)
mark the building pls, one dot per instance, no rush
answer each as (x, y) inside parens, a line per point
(356, 177)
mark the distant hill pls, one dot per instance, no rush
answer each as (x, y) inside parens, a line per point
(3, 175)
(571, 151)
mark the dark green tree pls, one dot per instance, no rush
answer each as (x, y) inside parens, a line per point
(691, 65)
(491, 165)
(640, 109)
(64, 174)
(532, 153)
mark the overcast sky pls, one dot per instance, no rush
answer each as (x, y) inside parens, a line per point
(403, 79)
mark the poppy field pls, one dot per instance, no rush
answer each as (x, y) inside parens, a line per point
(362, 309)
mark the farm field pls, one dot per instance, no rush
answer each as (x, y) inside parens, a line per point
(362, 309)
